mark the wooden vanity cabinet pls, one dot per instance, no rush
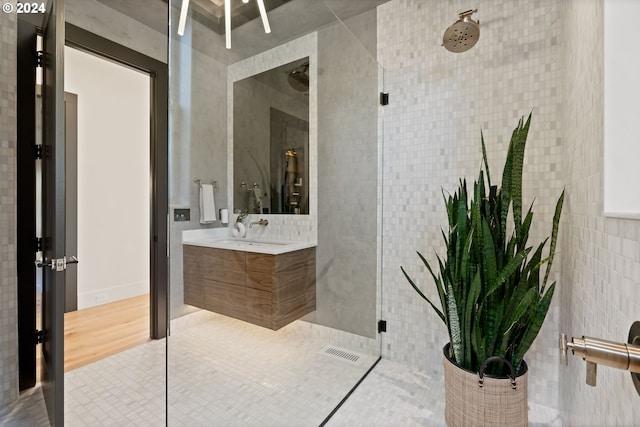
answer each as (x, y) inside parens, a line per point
(266, 290)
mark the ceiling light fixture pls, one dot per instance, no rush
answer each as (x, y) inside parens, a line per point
(227, 23)
(263, 15)
(184, 11)
(183, 17)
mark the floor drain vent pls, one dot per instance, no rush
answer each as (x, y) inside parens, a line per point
(342, 354)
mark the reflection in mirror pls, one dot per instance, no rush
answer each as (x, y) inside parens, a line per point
(271, 140)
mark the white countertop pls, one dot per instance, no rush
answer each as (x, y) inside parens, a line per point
(220, 238)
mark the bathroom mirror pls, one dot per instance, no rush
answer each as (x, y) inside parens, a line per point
(271, 141)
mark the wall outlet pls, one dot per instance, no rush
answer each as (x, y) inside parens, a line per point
(182, 214)
(101, 298)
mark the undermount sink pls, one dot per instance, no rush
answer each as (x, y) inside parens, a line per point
(273, 247)
(241, 241)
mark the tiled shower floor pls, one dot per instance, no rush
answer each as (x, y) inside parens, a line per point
(231, 373)
(228, 373)
(221, 372)
(395, 395)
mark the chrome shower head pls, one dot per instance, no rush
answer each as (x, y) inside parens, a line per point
(463, 34)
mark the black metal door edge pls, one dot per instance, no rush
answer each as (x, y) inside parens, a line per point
(26, 203)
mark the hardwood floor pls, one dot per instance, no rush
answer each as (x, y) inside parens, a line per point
(98, 332)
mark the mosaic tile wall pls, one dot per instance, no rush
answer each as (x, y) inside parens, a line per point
(8, 274)
(439, 103)
(602, 255)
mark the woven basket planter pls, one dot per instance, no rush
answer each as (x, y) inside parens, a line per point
(473, 399)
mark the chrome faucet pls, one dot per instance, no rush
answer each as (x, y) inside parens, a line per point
(263, 222)
(596, 351)
(242, 216)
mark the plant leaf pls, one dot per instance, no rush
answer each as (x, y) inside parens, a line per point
(472, 300)
(508, 270)
(488, 253)
(438, 312)
(519, 145)
(484, 158)
(554, 238)
(438, 282)
(531, 332)
(454, 325)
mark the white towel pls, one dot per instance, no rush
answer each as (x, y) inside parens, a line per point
(207, 204)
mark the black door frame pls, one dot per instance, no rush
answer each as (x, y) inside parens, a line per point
(159, 265)
(26, 202)
(81, 39)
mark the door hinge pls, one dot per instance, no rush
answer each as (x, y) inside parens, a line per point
(38, 151)
(38, 336)
(39, 59)
(382, 326)
(37, 244)
(384, 98)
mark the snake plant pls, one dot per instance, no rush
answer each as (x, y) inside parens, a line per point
(493, 296)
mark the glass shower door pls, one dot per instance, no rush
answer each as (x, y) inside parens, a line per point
(275, 212)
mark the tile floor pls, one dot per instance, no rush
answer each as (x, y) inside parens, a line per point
(395, 395)
(229, 373)
(221, 372)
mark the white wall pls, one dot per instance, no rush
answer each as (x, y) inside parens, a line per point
(113, 178)
(600, 292)
(621, 89)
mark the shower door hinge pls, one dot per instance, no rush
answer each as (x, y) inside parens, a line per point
(39, 59)
(384, 98)
(38, 151)
(382, 326)
(38, 336)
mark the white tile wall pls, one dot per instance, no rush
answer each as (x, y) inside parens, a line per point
(439, 103)
(602, 255)
(8, 274)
